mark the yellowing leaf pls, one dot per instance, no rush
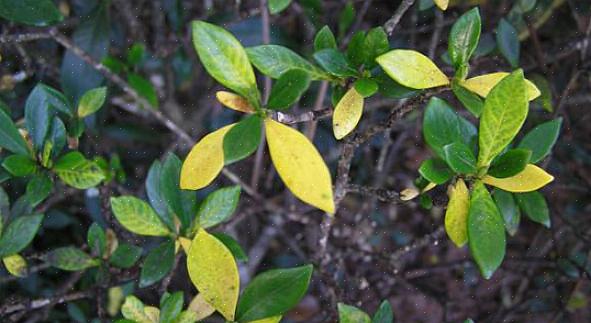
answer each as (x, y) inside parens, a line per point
(456, 216)
(347, 113)
(412, 69)
(482, 84)
(134, 309)
(115, 298)
(273, 319)
(205, 160)
(201, 307)
(530, 179)
(185, 243)
(408, 194)
(213, 271)
(153, 313)
(16, 265)
(300, 166)
(441, 4)
(234, 101)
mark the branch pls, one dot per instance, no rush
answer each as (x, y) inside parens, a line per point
(383, 195)
(391, 24)
(307, 116)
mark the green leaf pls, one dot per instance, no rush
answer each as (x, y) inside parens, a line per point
(133, 309)
(366, 87)
(324, 39)
(505, 110)
(384, 313)
(274, 60)
(510, 163)
(276, 6)
(71, 259)
(273, 293)
(509, 210)
(351, 314)
(144, 88)
(486, 232)
(125, 256)
(375, 44)
(75, 170)
(355, 50)
(136, 53)
(471, 101)
(38, 189)
(334, 62)
(346, 18)
(233, 246)
(218, 206)
(155, 195)
(436, 171)
(288, 89)
(508, 42)
(225, 60)
(171, 308)
(38, 13)
(40, 108)
(535, 207)
(243, 139)
(19, 233)
(464, 37)
(56, 139)
(157, 264)
(137, 216)
(182, 203)
(541, 139)
(19, 165)
(443, 126)
(10, 138)
(97, 240)
(460, 158)
(545, 98)
(392, 89)
(91, 101)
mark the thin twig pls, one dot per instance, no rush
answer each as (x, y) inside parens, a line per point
(391, 24)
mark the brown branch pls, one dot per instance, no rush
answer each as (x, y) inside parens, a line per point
(383, 195)
(391, 24)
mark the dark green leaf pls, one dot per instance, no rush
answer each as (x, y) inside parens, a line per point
(70, 259)
(274, 60)
(366, 87)
(97, 240)
(125, 256)
(56, 138)
(375, 44)
(442, 126)
(19, 233)
(155, 195)
(273, 293)
(92, 101)
(182, 203)
(355, 49)
(392, 89)
(460, 158)
(384, 313)
(233, 246)
(535, 207)
(171, 308)
(351, 314)
(545, 98)
(19, 165)
(510, 163)
(10, 138)
(486, 232)
(288, 89)
(276, 6)
(135, 54)
(436, 171)
(157, 264)
(509, 210)
(114, 64)
(471, 101)
(30, 12)
(508, 42)
(243, 139)
(218, 206)
(425, 201)
(346, 18)
(144, 88)
(324, 39)
(486, 45)
(334, 62)
(464, 37)
(541, 139)
(225, 60)
(38, 114)
(38, 189)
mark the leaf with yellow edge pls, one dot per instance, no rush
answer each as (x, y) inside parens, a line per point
(482, 85)
(205, 160)
(273, 319)
(234, 101)
(441, 4)
(530, 179)
(153, 313)
(16, 265)
(456, 215)
(214, 272)
(347, 113)
(300, 165)
(412, 69)
(202, 308)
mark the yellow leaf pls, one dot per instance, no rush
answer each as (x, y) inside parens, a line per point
(300, 166)
(15, 265)
(205, 160)
(429, 187)
(201, 307)
(482, 84)
(272, 319)
(408, 194)
(115, 299)
(214, 272)
(456, 215)
(412, 69)
(234, 101)
(441, 4)
(185, 243)
(347, 113)
(153, 313)
(530, 179)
